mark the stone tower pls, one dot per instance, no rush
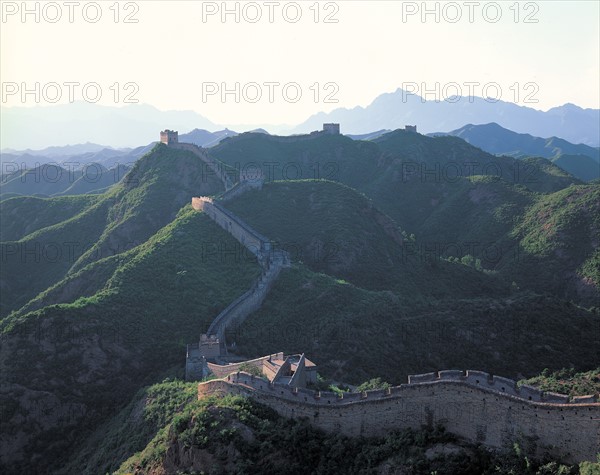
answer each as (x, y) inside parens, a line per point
(333, 129)
(169, 137)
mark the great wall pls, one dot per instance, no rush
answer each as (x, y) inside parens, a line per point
(474, 405)
(213, 344)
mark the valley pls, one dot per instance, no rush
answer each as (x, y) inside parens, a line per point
(391, 274)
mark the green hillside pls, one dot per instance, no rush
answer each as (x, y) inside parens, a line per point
(581, 161)
(327, 157)
(407, 175)
(436, 159)
(474, 217)
(147, 199)
(335, 230)
(165, 430)
(48, 254)
(161, 295)
(51, 179)
(96, 179)
(419, 175)
(457, 200)
(581, 166)
(558, 240)
(354, 334)
(24, 215)
(100, 293)
(568, 381)
(45, 179)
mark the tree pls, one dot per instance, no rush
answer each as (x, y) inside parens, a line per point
(375, 383)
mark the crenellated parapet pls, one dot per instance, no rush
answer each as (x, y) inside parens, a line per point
(499, 384)
(474, 405)
(474, 379)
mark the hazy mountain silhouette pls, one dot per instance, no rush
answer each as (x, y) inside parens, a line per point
(204, 138)
(580, 160)
(81, 122)
(71, 157)
(394, 110)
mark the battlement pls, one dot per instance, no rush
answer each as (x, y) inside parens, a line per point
(169, 137)
(476, 379)
(479, 407)
(499, 384)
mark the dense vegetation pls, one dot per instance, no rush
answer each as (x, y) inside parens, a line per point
(116, 336)
(356, 242)
(380, 334)
(52, 179)
(582, 161)
(166, 430)
(24, 215)
(559, 234)
(129, 214)
(568, 381)
(455, 199)
(84, 331)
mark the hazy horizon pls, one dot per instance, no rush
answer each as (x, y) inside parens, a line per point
(73, 112)
(330, 54)
(274, 65)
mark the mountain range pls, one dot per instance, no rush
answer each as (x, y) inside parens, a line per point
(79, 155)
(580, 160)
(397, 109)
(80, 122)
(53, 180)
(409, 254)
(134, 124)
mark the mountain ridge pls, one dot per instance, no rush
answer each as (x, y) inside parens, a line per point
(156, 272)
(396, 109)
(580, 159)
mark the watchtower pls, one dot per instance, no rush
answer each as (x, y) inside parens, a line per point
(169, 137)
(332, 129)
(209, 346)
(252, 177)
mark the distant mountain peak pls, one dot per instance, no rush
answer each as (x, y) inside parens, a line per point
(393, 110)
(581, 160)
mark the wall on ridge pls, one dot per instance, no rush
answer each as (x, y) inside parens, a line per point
(247, 303)
(494, 419)
(215, 167)
(256, 243)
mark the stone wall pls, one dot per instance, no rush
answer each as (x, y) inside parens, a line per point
(247, 303)
(480, 413)
(221, 371)
(255, 242)
(240, 188)
(218, 168)
(194, 363)
(271, 261)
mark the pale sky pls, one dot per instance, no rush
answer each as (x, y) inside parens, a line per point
(171, 52)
